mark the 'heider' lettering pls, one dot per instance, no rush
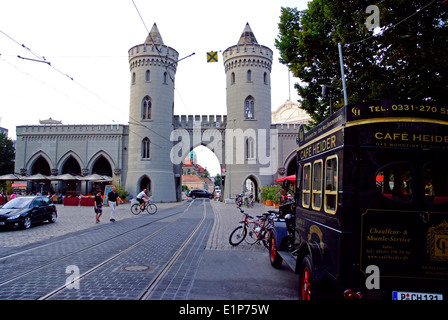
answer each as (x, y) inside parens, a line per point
(318, 147)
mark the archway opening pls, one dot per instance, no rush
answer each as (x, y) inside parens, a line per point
(291, 168)
(145, 183)
(71, 166)
(250, 186)
(201, 170)
(41, 166)
(102, 167)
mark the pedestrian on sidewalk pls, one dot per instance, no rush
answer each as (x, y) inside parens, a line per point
(98, 206)
(112, 199)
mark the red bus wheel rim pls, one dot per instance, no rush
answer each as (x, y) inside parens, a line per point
(306, 284)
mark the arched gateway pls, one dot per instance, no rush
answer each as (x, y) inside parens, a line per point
(148, 153)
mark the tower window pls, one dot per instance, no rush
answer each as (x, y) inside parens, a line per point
(249, 75)
(133, 78)
(265, 78)
(249, 108)
(250, 148)
(147, 76)
(146, 108)
(145, 148)
(164, 77)
(232, 78)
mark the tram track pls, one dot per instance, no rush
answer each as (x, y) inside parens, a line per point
(161, 273)
(173, 259)
(75, 253)
(85, 250)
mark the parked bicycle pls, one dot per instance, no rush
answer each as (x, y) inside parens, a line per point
(249, 200)
(239, 200)
(150, 207)
(253, 230)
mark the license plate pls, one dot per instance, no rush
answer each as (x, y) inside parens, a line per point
(405, 295)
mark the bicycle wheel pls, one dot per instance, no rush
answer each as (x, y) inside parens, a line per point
(252, 235)
(151, 208)
(237, 236)
(135, 209)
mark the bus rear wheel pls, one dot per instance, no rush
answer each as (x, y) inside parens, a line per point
(274, 257)
(306, 279)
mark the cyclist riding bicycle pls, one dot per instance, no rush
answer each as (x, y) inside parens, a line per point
(140, 199)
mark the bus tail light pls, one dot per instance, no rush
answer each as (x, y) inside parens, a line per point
(351, 294)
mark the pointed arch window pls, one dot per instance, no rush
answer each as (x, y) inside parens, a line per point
(146, 108)
(249, 75)
(146, 148)
(249, 108)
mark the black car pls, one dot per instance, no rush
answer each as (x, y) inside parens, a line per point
(26, 211)
(199, 193)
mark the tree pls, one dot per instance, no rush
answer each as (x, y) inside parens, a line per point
(7, 155)
(217, 180)
(405, 59)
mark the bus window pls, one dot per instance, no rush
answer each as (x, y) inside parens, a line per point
(436, 183)
(331, 184)
(394, 181)
(317, 185)
(306, 185)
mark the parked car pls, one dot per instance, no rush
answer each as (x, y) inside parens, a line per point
(26, 211)
(199, 193)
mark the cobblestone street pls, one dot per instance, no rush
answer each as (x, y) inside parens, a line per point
(175, 253)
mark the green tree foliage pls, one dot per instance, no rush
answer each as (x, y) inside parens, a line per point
(7, 155)
(404, 58)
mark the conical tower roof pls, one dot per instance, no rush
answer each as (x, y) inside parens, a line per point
(154, 36)
(247, 37)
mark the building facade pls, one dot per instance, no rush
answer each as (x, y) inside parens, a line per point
(144, 153)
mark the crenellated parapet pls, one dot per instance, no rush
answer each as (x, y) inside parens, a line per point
(248, 55)
(206, 121)
(143, 55)
(75, 129)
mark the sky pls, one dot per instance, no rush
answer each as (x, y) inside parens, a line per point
(87, 42)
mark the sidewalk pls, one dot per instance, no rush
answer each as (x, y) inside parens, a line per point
(227, 218)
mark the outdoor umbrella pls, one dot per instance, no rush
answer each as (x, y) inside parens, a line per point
(64, 177)
(291, 178)
(11, 177)
(37, 177)
(96, 177)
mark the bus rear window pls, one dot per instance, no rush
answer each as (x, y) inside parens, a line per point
(436, 183)
(394, 181)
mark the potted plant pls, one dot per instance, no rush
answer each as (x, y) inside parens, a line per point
(122, 193)
(277, 195)
(269, 196)
(263, 194)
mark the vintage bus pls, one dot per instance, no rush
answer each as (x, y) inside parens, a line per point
(370, 212)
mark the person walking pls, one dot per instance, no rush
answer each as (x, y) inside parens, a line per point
(112, 199)
(98, 203)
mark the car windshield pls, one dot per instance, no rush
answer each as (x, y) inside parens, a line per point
(17, 203)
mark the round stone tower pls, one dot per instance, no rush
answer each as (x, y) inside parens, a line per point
(248, 72)
(153, 67)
